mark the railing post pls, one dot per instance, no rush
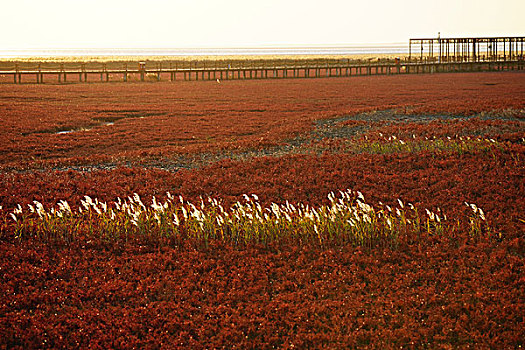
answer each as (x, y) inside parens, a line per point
(85, 72)
(142, 70)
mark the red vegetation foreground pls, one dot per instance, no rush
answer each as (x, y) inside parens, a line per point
(289, 140)
(440, 295)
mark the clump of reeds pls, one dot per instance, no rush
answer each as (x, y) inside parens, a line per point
(415, 144)
(346, 220)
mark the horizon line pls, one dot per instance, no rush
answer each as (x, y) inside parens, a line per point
(240, 47)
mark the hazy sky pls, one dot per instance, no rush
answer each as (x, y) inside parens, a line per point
(30, 24)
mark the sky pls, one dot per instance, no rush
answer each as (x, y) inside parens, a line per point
(68, 24)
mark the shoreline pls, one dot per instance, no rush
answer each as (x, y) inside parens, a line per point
(150, 58)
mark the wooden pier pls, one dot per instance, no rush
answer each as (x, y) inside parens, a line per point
(500, 54)
(102, 74)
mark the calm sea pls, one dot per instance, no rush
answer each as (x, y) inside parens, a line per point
(338, 50)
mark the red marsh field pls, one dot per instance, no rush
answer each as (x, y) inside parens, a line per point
(370, 212)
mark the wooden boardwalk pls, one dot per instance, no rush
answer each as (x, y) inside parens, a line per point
(40, 75)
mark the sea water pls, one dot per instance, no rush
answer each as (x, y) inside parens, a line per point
(397, 48)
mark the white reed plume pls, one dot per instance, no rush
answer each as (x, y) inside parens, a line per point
(156, 206)
(316, 214)
(39, 209)
(64, 206)
(85, 204)
(309, 216)
(365, 207)
(97, 209)
(18, 209)
(276, 210)
(481, 214)
(88, 200)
